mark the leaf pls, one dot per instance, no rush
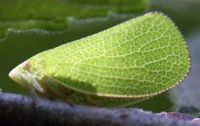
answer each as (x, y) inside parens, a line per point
(52, 15)
(135, 60)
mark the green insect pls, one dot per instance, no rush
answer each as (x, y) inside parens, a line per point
(120, 66)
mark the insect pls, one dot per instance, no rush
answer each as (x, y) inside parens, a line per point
(120, 66)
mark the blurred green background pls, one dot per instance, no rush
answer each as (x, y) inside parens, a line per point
(29, 27)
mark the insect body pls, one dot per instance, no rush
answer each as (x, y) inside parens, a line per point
(120, 66)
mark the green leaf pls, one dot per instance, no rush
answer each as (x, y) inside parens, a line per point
(122, 65)
(52, 14)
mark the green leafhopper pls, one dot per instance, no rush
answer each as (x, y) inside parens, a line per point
(120, 66)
